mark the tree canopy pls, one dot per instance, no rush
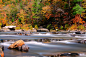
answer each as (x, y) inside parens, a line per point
(51, 14)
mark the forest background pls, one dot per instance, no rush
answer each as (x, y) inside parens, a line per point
(50, 14)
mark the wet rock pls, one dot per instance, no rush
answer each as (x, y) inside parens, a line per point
(25, 48)
(74, 54)
(20, 33)
(19, 48)
(73, 35)
(16, 44)
(2, 40)
(39, 40)
(79, 32)
(70, 54)
(27, 35)
(65, 54)
(54, 32)
(19, 45)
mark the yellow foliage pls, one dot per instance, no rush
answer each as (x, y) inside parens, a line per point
(49, 0)
(36, 26)
(17, 28)
(81, 27)
(21, 11)
(46, 9)
(55, 26)
(73, 27)
(25, 27)
(54, 1)
(0, 23)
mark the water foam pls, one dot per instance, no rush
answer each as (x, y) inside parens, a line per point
(42, 44)
(8, 35)
(65, 41)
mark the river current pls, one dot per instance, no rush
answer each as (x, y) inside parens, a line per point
(40, 49)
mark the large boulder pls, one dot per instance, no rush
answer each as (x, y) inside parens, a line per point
(19, 45)
(16, 44)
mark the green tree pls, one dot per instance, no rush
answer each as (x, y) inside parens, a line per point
(36, 10)
(77, 9)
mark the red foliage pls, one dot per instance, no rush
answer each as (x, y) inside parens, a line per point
(64, 17)
(66, 13)
(48, 15)
(52, 15)
(78, 19)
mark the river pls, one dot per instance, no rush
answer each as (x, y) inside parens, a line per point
(40, 49)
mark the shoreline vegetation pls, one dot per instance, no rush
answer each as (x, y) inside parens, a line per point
(35, 30)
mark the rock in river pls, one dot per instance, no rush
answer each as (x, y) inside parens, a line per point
(16, 44)
(20, 45)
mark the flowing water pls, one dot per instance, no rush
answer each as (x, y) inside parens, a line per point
(40, 49)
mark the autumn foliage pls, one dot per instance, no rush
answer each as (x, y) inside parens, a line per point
(78, 19)
(78, 23)
(26, 14)
(73, 27)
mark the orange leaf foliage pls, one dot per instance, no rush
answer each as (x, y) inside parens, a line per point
(0, 0)
(81, 21)
(47, 16)
(4, 19)
(78, 19)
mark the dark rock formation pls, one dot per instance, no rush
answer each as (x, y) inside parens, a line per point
(79, 32)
